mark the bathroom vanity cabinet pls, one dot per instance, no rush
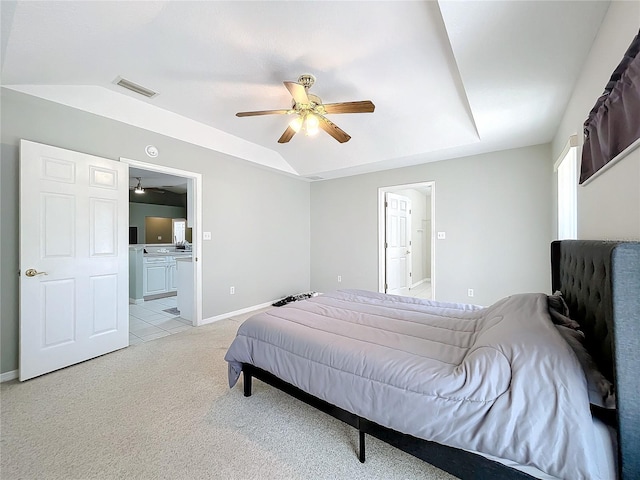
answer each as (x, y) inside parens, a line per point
(159, 275)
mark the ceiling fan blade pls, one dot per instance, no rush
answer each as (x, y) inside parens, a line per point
(333, 130)
(364, 106)
(298, 92)
(287, 135)
(262, 112)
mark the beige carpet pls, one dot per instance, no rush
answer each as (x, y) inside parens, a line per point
(163, 410)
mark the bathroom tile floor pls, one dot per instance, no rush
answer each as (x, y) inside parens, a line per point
(421, 291)
(148, 320)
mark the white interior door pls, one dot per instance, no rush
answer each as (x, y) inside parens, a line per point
(397, 244)
(74, 282)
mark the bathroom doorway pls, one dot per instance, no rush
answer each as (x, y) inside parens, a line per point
(406, 240)
(165, 273)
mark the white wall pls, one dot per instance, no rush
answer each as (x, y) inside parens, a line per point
(609, 206)
(259, 218)
(495, 209)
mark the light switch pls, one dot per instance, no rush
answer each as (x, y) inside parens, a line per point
(441, 235)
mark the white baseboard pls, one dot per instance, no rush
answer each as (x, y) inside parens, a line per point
(420, 282)
(6, 376)
(134, 301)
(224, 316)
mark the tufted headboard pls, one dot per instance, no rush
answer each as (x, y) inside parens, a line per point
(600, 282)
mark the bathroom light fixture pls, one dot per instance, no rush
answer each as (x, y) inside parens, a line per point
(138, 188)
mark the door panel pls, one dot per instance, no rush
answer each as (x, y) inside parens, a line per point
(398, 243)
(58, 215)
(105, 315)
(58, 312)
(103, 227)
(74, 217)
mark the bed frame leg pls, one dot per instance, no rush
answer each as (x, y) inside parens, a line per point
(361, 453)
(247, 383)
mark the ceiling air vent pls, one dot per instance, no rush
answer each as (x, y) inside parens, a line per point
(134, 87)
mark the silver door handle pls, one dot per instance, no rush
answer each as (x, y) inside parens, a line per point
(408, 252)
(32, 272)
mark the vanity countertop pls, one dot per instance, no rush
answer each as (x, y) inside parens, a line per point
(168, 254)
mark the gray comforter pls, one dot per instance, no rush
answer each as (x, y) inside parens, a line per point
(498, 380)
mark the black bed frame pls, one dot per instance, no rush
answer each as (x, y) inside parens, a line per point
(601, 284)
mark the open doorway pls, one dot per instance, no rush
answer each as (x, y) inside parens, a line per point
(164, 268)
(406, 240)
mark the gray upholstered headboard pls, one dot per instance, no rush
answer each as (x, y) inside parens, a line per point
(601, 283)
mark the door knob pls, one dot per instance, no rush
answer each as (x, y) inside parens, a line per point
(408, 252)
(32, 272)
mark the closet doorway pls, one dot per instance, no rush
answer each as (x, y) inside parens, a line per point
(406, 240)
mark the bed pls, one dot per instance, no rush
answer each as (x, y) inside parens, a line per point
(493, 392)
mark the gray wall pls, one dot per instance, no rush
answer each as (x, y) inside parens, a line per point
(260, 218)
(495, 209)
(609, 206)
(8, 258)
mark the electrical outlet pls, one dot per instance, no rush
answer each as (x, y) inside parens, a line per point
(339, 278)
(232, 290)
(159, 237)
(206, 236)
(470, 292)
(442, 235)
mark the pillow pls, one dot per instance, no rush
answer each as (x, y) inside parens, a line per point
(600, 389)
(556, 302)
(559, 311)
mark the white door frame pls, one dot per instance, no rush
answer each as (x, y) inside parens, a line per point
(381, 231)
(195, 180)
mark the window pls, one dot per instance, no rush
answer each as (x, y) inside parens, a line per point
(567, 171)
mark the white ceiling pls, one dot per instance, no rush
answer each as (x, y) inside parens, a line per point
(448, 79)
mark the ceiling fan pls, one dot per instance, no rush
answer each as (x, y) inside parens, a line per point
(310, 112)
(139, 189)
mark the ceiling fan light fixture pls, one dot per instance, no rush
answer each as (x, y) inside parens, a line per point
(296, 123)
(138, 188)
(311, 124)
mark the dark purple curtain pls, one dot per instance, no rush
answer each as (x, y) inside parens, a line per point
(614, 121)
